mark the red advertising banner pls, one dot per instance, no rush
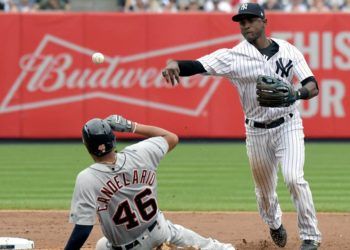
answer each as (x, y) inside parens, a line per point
(50, 87)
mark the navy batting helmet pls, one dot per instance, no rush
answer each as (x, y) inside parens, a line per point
(98, 137)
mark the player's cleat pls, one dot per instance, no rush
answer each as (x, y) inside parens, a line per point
(309, 245)
(279, 236)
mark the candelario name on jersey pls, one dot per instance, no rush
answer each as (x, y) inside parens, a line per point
(122, 180)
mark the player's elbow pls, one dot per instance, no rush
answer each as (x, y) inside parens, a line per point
(172, 140)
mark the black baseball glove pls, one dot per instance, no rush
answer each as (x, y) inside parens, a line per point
(274, 93)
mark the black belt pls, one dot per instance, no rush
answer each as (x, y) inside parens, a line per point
(136, 242)
(273, 124)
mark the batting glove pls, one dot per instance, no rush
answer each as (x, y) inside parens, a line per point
(119, 123)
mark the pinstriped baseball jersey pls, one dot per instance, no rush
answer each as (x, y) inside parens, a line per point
(267, 148)
(124, 195)
(244, 63)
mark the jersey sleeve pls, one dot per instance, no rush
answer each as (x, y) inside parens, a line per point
(151, 150)
(218, 63)
(83, 206)
(301, 69)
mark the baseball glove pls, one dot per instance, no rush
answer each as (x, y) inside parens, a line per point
(169, 246)
(274, 93)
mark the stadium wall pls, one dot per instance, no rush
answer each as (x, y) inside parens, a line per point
(50, 87)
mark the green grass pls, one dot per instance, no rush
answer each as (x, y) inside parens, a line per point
(195, 176)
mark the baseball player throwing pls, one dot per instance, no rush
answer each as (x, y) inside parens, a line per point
(121, 187)
(262, 69)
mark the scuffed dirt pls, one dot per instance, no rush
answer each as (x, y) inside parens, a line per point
(245, 230)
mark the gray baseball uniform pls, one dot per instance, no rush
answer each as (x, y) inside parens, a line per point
(267, 147)
(124, 196)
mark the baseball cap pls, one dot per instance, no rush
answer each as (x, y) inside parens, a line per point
(249, 9)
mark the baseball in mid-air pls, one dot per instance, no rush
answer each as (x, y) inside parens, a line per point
(98, 58)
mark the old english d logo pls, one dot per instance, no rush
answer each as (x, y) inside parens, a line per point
(283, 68)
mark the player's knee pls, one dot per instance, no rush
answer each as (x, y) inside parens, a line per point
(102, 244)
(293, 182)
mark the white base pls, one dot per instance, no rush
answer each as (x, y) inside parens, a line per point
(15, 243)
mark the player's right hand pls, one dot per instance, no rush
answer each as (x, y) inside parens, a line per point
(119, 123)
(171, 73)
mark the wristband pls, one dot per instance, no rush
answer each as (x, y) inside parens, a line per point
(302, 93)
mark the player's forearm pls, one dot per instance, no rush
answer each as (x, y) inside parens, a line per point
(189, 68)
(78, 237)
(152, 131)
(175, 69)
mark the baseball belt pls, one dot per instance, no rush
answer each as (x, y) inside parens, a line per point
(272, 124)
(136, 242)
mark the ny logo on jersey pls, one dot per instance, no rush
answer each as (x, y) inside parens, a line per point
(283, 68)
(244, 6)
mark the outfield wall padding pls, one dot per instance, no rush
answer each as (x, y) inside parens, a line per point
(50, 87)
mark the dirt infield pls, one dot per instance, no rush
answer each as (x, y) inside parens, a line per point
(50, 229)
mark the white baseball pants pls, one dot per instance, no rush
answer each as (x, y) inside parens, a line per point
(266, 148)
(166, 231)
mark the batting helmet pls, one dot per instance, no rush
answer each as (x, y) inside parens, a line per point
(98, 137)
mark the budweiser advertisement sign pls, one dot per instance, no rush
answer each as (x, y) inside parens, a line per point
(50, 87)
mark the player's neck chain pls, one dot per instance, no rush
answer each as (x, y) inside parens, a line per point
(108, 162)
(269, 42)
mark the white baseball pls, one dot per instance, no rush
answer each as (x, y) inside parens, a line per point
(98, 58)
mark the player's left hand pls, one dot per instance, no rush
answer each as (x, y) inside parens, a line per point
(171, 73)
(119, 123)
(274, 93)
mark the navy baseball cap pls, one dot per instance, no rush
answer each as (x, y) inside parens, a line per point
(249, 9)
